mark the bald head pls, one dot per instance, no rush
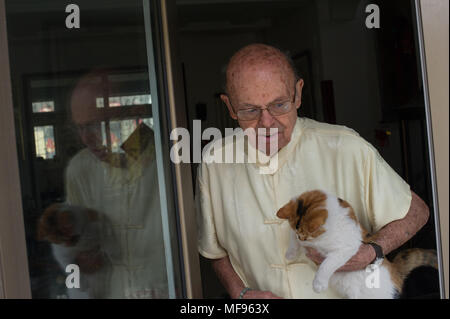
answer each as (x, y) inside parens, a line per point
(254, 59)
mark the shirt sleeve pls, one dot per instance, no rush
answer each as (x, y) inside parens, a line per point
(208, 243)
(387, 195)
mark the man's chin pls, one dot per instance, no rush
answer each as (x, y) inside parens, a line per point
(100, 153)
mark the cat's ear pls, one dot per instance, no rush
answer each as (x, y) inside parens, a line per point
(317, 220)
(46, 221)
(287, 210)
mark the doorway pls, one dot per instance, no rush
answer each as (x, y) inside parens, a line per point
(367, 79)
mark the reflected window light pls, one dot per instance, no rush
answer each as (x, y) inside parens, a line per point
(148, 121)
(104, 141)
(99, 102)
(43, 107)
(116, 101)
(120, 131)
(44, 140)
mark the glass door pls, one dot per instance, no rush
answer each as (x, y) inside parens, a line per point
(96, 185)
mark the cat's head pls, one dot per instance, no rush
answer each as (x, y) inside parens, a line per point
(306, 214)
(63, 224)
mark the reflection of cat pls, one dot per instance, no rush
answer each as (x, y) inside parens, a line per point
(328, 224)
(74, 233)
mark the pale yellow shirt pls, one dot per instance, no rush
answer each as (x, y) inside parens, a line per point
(237, 205)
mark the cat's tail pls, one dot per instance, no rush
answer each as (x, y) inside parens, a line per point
(407, 260)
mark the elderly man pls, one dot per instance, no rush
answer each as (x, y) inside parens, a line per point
(238, 227)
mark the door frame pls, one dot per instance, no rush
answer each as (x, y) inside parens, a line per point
(177, 117)
(433, 21)
(14, 275)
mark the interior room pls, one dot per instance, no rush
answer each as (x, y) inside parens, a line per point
(367, 79)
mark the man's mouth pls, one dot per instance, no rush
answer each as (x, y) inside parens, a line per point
(269, 137)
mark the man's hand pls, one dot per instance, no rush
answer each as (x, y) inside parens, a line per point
(233, 284)
(90, 261)
(258, 294)
(365, 255)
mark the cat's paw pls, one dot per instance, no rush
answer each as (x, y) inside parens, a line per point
(320, 285)
(291, 254)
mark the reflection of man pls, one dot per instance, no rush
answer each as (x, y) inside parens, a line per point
(122, 189)
(238, 228)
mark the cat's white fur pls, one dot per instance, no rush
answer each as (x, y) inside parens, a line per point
(340, 241)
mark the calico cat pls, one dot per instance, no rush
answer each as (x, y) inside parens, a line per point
(328, 224)
(71, 231)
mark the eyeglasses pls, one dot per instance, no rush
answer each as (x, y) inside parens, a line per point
(275, 109)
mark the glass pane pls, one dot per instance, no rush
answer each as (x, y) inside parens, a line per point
(44, 140)
(129, 100)
(47, 106)
(115, 101)
(95, 191)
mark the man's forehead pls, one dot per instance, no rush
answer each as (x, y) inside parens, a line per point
(262, 80)
(258, 61)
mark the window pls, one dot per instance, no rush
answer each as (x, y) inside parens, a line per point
(43, 107)
(44, 139)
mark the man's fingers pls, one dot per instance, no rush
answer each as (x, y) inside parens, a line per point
(257, 294)
(316, 257)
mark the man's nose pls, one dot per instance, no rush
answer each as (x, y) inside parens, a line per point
(266, 119)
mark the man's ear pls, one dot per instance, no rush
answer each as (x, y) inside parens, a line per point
(298, 93)
(226, 100)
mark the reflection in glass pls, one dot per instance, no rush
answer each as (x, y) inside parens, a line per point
(109, 224)
(42, 107)
(45, 141)
(95, 207)
(115, 101)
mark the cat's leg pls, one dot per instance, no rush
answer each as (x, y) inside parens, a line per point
(327, 268)
(294, 246)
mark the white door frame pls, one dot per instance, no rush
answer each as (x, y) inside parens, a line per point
(434, 20)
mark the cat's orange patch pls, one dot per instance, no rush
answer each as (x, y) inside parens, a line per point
(48, 221)
(287, 210)
(352, 215)
(314, 214)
